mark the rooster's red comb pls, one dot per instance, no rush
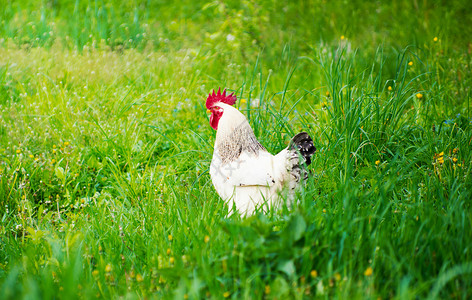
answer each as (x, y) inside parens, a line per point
(220, 97)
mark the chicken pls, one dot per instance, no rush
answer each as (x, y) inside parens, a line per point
(243, 172)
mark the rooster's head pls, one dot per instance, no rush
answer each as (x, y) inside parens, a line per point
(212, 104)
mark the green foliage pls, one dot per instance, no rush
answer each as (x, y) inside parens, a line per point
(105, 148)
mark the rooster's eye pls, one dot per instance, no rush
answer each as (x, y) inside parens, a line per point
(216, 109)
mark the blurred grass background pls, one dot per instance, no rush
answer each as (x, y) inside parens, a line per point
(262, 24)
(105, 146)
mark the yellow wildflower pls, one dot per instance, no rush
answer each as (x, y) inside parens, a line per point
(18, 151)
(342, 37)
(267, 289)
(410, 63)
(168, 251)
(327, 94)
(171, 259)
(377, 162)
(389, 88)
(243, 100)
(31, 155)
(207, 238)
(169, 237)
(454, 160)
(435, 39)
(95, 272)
(226, 294)
(419, 95)
(66, 144)
(455, 150)
(108, 268)
(337, 276)
(139, 278)
(313, 273)
(54, 146)
(368, 271)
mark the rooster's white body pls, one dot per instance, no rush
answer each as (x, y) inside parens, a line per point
(245, 174)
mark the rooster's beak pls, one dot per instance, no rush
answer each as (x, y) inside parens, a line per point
(208, 111)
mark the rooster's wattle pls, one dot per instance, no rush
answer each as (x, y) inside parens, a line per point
(243, 172)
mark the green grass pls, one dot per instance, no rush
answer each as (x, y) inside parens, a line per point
(105, 148)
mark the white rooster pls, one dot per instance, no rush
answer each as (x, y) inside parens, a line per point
(243, 172)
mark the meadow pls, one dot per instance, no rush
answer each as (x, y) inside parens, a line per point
(105, 147)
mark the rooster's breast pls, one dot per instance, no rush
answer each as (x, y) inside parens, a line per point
(248, 181)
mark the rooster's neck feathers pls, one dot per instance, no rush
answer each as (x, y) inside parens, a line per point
(235, 136)
(241, 139)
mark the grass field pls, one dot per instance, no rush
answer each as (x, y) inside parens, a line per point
(105, 148)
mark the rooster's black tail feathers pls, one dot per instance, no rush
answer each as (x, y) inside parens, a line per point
(303, 143)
